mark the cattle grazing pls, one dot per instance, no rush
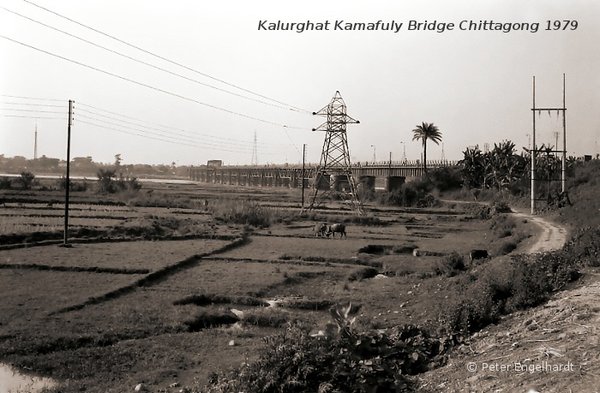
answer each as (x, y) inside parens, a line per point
(478, 254)
(321, 229)
(337, 228)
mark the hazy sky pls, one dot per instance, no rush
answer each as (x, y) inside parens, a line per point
(474, 85)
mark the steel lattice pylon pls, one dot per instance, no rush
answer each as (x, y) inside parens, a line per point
(335, 157)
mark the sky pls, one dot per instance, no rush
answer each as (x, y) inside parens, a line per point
(474, 85)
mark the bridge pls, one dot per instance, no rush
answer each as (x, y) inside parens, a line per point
(372, 175)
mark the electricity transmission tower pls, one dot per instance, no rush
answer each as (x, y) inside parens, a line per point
(334, 173)
(254, 160)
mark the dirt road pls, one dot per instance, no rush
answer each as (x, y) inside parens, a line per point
(552, 236)
(551, 348)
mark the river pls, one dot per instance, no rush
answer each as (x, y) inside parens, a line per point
(12, 381)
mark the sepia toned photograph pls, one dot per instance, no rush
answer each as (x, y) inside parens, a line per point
(318, 196)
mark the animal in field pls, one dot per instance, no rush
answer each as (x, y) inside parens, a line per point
(478, 254)
(337, 228)
(320, 229)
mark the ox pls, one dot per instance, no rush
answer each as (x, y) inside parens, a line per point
(478, 254)
(335, 228)
(321, 229)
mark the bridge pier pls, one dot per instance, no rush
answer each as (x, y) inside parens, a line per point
(322, 182)
(393, 183)
(367, 183)
(340, 182)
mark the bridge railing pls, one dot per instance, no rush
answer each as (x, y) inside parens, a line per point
(359, 164)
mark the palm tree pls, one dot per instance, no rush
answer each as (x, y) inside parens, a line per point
(424, 132)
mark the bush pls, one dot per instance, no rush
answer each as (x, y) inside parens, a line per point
(451, 265)
(410, 194)
(26, 180)
(5, 183)
(505, 247)
(61, 184)
(341, 359)
(501, 207)
(446, 178)
(243, 212)
(108, 184)
(506, 285)
(363, 273)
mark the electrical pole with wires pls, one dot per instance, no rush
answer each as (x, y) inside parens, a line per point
(334, 167)
(303, 171)
(67, 177)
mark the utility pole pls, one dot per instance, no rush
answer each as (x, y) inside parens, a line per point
(535, 150)
(563, 177)
(35, 155)
(68, 178)
(303, 171)
(443, 156)
(532, 152)
(403, 152)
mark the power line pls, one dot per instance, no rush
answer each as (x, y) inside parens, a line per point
(158, 139)
(147, 85)
(31, 98)
(178, 138)
(142, 62)
(30, 104)
(164, 58)
(28, 110)
(222, 139)
(36, 117)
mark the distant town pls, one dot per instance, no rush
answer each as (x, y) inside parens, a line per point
(86, 166)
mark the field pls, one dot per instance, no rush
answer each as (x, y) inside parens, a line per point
(169, 295)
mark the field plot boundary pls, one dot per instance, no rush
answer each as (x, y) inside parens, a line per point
(88, 269)
(102, 239)
(151, 278)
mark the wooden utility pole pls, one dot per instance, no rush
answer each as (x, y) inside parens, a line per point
(68, 178)
(532, 152)
(564, 149)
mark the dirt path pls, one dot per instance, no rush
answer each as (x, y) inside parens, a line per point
(552, 236)
(551, 348)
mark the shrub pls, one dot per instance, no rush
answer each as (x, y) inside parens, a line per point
(584, 246)
(409, 194)
(363, 273)
(61, 184)
(243, 212)
(341, 359)
(506, 247)
(5, 183)
(446, 178)
(501, 207)
(26, 180)
(108, 184)
(451, 265)
(506, 285)
(206, 319)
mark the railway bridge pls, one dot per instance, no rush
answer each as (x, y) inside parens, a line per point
(372, 175)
